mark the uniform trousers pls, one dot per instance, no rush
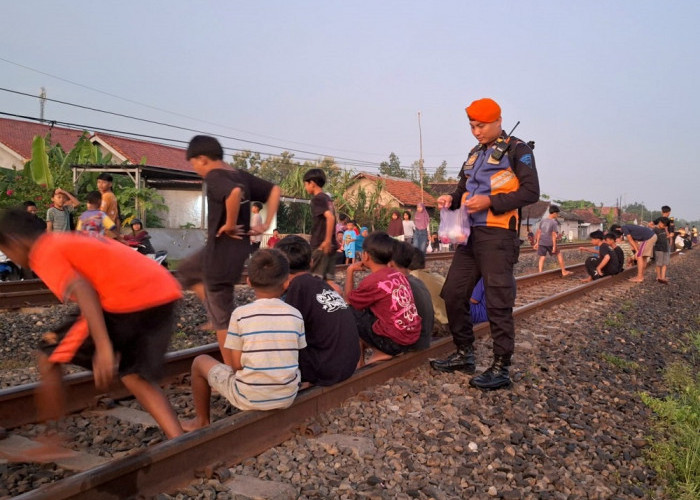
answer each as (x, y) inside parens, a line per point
(490, 253)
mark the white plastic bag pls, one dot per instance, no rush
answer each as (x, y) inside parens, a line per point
(454, 226)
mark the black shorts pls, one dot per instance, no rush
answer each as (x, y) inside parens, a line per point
(140, 339)
(365, 319)
(543, 250)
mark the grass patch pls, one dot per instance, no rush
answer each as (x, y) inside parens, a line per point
(614, 320)
(622, 364)
(635, 333)
(675, 449)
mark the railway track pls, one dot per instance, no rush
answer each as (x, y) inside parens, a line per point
(245, 434)
(33, 293)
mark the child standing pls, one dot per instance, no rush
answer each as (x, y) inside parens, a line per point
(214, 270)
(408, 227)
(255, 221)
(546, 240)
(58, 217)
(349, 238)
(395, 229)
(662, 257)
(94, 222)
(383, 304)
(109, 203)
(332, 344)
(359, 243)
(263, 341)
(127, 305)
(323, 244)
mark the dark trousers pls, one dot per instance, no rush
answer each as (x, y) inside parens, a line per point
(591, 265)
(490, 253)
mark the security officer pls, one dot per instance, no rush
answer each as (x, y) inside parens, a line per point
(498, 178)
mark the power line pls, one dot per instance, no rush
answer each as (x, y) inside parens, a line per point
(154, 122)
(155, 107)
(155, 139)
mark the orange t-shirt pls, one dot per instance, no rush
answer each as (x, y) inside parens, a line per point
(125, 280)
(110, 206)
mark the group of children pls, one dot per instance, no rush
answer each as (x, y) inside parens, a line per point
(301, 329)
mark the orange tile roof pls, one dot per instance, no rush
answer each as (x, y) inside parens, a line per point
(18, 136)
(156, 155)
(405, 191)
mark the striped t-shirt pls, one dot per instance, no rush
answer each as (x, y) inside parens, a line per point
(269, 334)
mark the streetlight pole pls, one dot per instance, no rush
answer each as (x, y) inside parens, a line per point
(420, 137)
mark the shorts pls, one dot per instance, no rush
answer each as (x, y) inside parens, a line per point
(222, 379)
(543, 250)
(662, 258)
(646, 248)
(140, 339)
(365, 320)
(218, 298)
(323, 265)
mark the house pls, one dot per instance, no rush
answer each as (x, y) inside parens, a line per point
(148, 164)
(400, 193)
(588, 222)
(16, 140)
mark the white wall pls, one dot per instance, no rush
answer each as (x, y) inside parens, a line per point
(185, 207)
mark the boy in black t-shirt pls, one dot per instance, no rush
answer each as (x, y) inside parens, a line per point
(332, 344)
(611, 240)
(323, 243)
(213, 271)
(606, 261)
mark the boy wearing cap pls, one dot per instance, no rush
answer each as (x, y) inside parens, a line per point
(604, 263)
(498, 178)
(546, 240)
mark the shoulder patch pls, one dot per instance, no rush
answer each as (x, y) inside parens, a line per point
(526, 159)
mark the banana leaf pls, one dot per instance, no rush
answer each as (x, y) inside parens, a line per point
(39, 164)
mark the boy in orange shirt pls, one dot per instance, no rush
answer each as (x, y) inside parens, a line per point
(127, 307)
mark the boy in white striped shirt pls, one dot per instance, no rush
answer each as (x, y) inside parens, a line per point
(265, 338)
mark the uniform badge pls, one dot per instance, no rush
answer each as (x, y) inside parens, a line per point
(469, 164)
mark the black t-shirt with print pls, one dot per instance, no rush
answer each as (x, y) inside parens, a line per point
(332, 343)
(223, 254)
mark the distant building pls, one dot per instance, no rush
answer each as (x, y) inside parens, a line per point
(402, 194)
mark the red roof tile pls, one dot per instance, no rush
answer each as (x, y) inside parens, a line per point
(440, 188)
(156, 155)
(18, 136)
(405, 191)
(587, 215)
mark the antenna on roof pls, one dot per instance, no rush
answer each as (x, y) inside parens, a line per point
(42, 103)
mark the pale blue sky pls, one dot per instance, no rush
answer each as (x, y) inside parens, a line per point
(608, 90)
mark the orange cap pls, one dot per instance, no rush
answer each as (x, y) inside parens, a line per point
(484, 110)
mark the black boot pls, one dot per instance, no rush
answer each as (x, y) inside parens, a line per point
(462, 360)
(495, 377)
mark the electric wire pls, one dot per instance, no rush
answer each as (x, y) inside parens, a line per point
(154, 122)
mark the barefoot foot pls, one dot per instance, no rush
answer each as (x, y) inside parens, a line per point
(192, 425)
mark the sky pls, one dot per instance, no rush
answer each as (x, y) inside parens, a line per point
(608, 90)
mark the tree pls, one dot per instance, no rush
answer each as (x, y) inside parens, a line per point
(392, 168)
(440, 174)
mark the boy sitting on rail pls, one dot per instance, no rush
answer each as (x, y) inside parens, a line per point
(611, 240)
(401, 259)
(263, 340)
(605, 263)
(383, 304)
(127, 305)
(332, 345)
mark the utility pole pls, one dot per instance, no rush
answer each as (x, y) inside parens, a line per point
(420, 162)
(42, 103)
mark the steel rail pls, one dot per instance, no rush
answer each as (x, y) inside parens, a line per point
(33, 293)
(17, 403)
(172, 464)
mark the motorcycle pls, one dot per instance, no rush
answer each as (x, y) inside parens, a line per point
(145, 248)
(9, 271)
